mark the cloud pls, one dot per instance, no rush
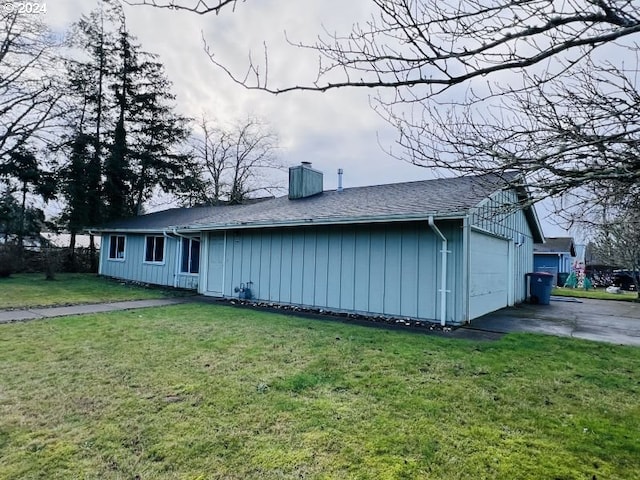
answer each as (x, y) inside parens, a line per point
(337, 129)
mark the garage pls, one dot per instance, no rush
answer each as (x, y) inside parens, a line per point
(488, 274)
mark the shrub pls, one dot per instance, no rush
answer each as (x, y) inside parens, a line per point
(9, 260)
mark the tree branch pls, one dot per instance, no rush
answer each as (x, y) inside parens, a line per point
(201, 7)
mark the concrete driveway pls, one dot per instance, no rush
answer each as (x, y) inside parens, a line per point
(599, 320)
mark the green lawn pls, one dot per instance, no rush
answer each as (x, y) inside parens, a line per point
(599, 294)
(32, 290)
(209, 392)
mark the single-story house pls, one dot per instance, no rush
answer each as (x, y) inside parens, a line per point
(555, 255)
(447, 250)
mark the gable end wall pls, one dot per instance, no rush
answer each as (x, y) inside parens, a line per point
(501, 216)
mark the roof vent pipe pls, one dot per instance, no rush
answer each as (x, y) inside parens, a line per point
(340, 172)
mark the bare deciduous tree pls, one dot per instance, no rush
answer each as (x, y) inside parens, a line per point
(28, 93)
(198, 6)
(423, 47)
(577, 134)
(508, 85)
(617, 240)
(231, 164)
(495, 87)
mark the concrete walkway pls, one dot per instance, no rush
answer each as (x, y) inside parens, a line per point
(599, 320)
(8, 316)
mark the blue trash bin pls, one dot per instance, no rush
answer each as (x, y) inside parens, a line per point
(540, 286)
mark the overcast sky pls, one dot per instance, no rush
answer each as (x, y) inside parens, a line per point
(332, 130)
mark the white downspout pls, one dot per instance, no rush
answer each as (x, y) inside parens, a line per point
(174, 231)
(224, 264)
(443, 274)
(466, 256)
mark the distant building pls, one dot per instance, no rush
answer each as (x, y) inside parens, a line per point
(556, 255)
(63, 239)
(45, 239)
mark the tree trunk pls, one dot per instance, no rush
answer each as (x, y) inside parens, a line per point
(22, 216)
(50, 265)
(72, 253)
(92, 254)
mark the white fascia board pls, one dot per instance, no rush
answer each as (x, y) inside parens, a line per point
(552, 253)
(147, 231)
(488, 233)
(323, 221)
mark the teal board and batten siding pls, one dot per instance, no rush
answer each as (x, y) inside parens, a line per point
(390, 269)
(497, 216)
(134, 268)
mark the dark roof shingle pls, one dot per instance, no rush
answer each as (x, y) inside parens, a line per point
(556, 245)
(438, 197)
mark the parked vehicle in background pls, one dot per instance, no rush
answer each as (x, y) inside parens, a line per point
(625, 280)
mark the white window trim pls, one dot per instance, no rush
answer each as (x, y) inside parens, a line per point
(164, 250)
(191, 239)
(124, 251)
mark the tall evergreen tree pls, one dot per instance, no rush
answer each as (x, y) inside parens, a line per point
(89, 77)
(74, 186)
(116, 173)
(156, 136)
(116, 168)
(16, 221)
(130, 117)
(24, 169)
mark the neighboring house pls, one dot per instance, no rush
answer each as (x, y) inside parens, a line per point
(598, 269)
(447, 250)
(554, 256)
(62, 240)
(44, 239)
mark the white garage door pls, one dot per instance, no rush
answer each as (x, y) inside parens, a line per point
(489, 274)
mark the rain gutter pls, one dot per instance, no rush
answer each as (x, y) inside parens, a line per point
(320, 221)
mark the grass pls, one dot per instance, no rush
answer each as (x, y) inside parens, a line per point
(210, 392)
(599, 294)
(32, 290)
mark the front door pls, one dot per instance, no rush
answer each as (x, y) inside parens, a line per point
(215, 270)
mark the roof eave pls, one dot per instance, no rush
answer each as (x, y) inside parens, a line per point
(530, 214)
(91, 231)
(323, 221)
(534, 224)
(553, 253)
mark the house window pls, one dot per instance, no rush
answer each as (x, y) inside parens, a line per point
(190, 255)
(116, 247)
(154, 250)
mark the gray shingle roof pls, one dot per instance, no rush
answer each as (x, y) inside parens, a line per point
(438, 197)
(556, 245)
(157, 221)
